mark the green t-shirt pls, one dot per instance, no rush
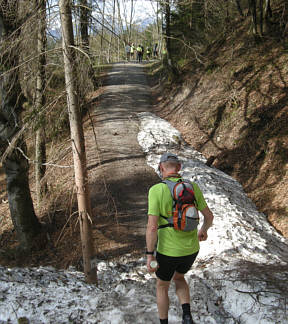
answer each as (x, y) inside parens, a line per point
(170, 241)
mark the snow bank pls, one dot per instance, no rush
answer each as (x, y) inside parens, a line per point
(47, 295)
(242, 267)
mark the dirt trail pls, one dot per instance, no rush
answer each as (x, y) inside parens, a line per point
(120, 211)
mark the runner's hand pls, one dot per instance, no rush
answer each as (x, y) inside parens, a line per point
(202, 235)
(149, 259)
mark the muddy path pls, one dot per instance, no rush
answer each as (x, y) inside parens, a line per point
(118, 173)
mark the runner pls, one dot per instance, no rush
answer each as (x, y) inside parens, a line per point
(139, 50)
(148, 53)
(132, 51)
(176, 249)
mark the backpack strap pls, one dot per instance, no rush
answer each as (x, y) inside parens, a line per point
(165, 225)
(171, 185)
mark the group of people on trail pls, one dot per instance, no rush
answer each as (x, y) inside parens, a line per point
(131, 50)
(177, 248)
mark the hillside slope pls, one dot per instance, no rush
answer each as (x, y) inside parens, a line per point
(234, 110)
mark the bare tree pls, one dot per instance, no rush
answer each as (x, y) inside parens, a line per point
(15, 164)
(261, 17)
(253, 10)
(77, 138)
(167, 11)
(102, 30)
(167, 29)
(84, 24)
(112, 33)
(40, 142)
(268, 10)
(130, 20)
(239, 7)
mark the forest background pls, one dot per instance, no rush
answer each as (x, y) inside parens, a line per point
(223, 64)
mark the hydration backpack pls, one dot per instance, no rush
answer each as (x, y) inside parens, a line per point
(185, 216)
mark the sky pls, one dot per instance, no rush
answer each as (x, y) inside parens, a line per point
(144, 10)
(240, 274)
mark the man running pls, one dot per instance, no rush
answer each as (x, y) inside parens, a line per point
(176, 249)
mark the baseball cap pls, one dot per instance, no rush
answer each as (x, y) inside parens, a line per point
(169, 157)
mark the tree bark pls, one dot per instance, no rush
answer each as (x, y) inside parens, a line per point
(167, 10)
(130, 20)
(40, 142)
(102, 33)
(227, 18)
(267, 15)
(239, 7)
(268, 10)
(167, 31)
(261, 17)
(112, 33)
(77, 138)
(21, 207)
(253, 10)
(84, 35)
(84, 22)
(15, 165)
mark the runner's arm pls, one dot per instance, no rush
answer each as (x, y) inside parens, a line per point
(151, 238)
(208, 220)
(151, 232)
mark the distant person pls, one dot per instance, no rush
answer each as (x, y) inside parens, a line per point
(176, 249)
(128, 52)
(142, 53)
(155, 50)
(148, 53)
(132, 51)
(139, 50)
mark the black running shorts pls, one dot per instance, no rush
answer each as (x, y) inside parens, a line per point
(169, 265)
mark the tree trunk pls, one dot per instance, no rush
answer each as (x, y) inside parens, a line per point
(21, 207)
(77, 137)
(253, 11)
(102, 33)
(112, 33)
(168, 37)
(261, 17)
(40, 143)
(267, 15)
(84, 22)
(84, 36)
(130, 21)
(167, 31)
(15, 165)
(239, 7)
(227, 18)
(268, 10)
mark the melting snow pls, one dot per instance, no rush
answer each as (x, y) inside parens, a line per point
(240, 276)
